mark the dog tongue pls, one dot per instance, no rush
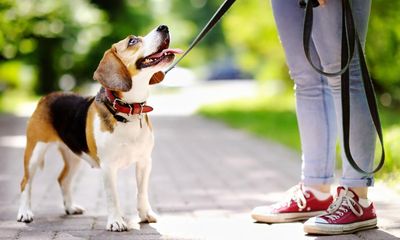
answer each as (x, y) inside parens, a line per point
(165, 51)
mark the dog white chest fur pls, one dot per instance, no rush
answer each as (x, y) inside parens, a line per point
(127, 144)
(92, 129)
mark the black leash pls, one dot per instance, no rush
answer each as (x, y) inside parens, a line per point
(217, 16)
(350, 42)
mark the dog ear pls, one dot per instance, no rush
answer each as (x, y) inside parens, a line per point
(157, 77)
(112, 73)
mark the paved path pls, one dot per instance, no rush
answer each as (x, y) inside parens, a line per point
(205, 180)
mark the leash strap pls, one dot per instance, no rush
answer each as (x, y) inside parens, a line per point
(347, 38)
(350, 41)
(214, 20)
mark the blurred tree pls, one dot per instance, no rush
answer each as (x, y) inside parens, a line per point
(251, 32)
(383, 49)
(49, 34)
(199, 12)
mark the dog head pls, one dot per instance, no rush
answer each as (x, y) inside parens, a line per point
(136, 59)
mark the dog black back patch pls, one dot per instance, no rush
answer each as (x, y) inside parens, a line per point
(68, 113)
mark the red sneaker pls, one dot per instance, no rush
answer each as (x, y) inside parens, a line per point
(299, 205)
(345, 215)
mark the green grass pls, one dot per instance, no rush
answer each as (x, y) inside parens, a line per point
(274, 118)
(264, 117)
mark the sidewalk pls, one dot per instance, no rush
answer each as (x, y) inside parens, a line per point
(206, 178)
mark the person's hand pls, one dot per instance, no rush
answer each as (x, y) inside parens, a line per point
(322, 2)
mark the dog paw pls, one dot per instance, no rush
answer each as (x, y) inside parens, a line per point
(116, 225)
(148, 216)
(25, 215)
(74, 210)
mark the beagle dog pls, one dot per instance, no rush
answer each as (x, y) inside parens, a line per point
(110, 130)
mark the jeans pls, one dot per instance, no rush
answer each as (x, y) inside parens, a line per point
(318, 98)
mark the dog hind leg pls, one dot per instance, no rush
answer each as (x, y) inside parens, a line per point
(34, 157)
(71, 165)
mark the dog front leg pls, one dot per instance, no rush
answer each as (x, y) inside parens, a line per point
(146, 214)
(115, 222)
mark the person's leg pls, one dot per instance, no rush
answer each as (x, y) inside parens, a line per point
(351, 211)
(314, 101)
(316, 120)
(327, 38)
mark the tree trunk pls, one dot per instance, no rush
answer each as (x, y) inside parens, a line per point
(47, 76)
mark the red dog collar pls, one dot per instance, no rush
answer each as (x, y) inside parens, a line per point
(121, 106)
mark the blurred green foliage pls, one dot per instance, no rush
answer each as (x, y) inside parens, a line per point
(252, 35)
(46, 45)
(49, 36)
(383, 49)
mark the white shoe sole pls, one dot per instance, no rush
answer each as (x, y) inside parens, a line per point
(284, 217)
(334, 229)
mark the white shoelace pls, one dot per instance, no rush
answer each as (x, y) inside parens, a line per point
(296, 194)
(341, 205)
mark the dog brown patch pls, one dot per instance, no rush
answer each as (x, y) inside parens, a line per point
(107, 119)
(90, 134)
(112, 72)
(132, 69)
(65, 170)
(148, 122)
(39, 129)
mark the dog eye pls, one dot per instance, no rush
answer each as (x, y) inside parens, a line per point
(132, 41)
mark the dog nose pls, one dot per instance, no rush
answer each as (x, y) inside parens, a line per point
(162, 28)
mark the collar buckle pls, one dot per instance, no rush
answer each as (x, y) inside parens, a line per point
(122, 102)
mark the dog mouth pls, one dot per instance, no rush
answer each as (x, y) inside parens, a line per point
(163, 53)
